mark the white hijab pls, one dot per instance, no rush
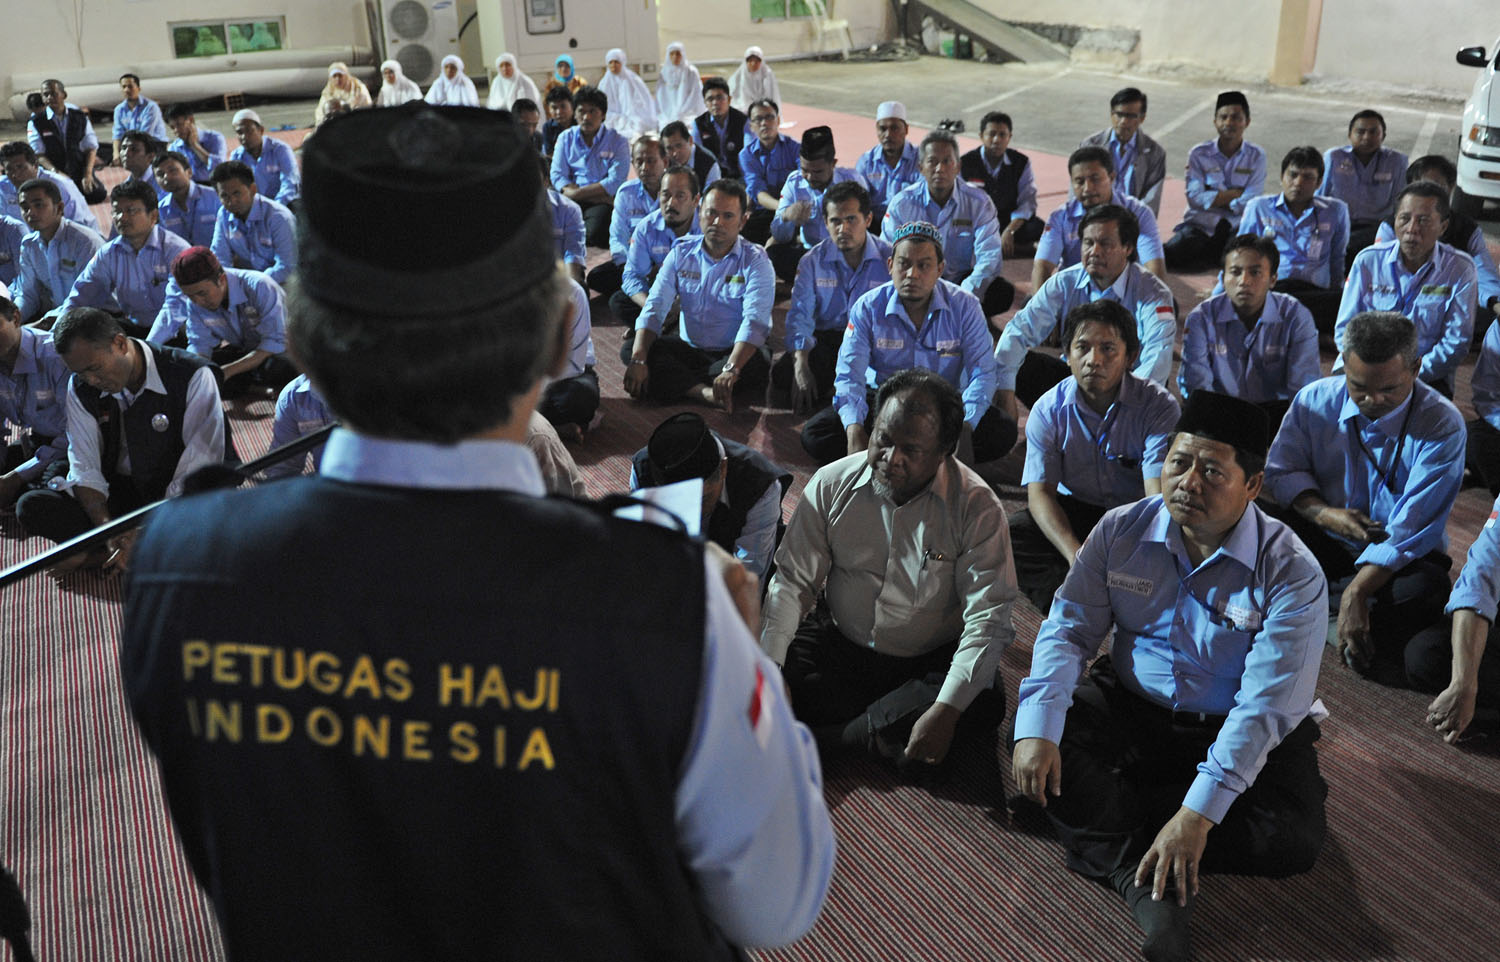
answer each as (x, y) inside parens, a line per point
(745, 87)
(504, 92)
(458, 92)
(679, 92)
(398, 93)
(631, 106)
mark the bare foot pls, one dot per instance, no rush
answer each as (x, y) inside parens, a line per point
(704, 393)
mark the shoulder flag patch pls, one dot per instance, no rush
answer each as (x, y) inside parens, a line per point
(760, 709)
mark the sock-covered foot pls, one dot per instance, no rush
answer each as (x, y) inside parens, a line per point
(1165, 923)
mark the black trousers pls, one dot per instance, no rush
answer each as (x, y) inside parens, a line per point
(785, 258)
(1482, 456)
(998, 297)
(274, 372)
(1040, 567)
(1321, 302)
(1038, 374)
(834, 682)
(596, 217)
(571, 400)
(57, 515)
(18, 452)
(757, 229)
(1361, 235)
(675, 366)
(822, 358)
(824, 436)
(1191, 248)
(1126, 766)
(605, 279)
(1429, 663)
(1026, 235)
(1412, 601)
(624, 307)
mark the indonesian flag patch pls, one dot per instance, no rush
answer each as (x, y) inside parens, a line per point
(1491, 522)
(1165, 314)
(760, 709)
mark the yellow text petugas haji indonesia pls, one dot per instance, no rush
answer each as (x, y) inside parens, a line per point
(253, 713)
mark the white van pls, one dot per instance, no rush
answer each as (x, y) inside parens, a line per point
(1479, 139)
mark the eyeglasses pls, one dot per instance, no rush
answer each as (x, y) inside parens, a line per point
(1123, 115)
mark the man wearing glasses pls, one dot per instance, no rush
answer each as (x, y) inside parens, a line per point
(1140, 162)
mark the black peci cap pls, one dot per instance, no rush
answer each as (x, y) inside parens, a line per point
(1230, 420)
(683, 447)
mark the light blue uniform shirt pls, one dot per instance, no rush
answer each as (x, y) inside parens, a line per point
(266, 240)
(632, 204)
(767, 170)
(300, 410)
(254, 320)
(1311, 245)
(211, 141)
(1369, 189)
(724, 302)
(953, 342)
(1319, 449)
(149, 177)
(606, 162)
(32, 395)
(195, 224)
(145, 115)
(1486, 380)
(581, 335)
(1271, 361)
(814, 229)
(886, 182)
(1209, 171)
(12, 232)
(75, 208)
(1478, 585)
(752, 827)
(649, 244)
(1438, 298)
(276, 173)
(567, 228)
(1103, 459)
(968, 224)
(1239, 635)
(137, 282)
(826, 287)
(1142, 293)
(1478, 249)
(49, 270)
(1062, 245)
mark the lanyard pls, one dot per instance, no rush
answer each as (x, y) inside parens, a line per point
(1387, 472)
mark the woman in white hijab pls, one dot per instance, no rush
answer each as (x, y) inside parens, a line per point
(510, 85)
(342, 86)
(679, 92)
(453, 86)
(753, 81)
(631, 106)
(397, 89)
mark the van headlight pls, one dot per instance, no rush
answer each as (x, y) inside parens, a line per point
(1484, 136)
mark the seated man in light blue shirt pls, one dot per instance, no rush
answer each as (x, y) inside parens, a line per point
(205, 149)
(1107, 272)
(724, 286)
(675, 218)
(187, 209)
(1248, 342)
(798, 224)
(1367, 176)
(300, 410)
(633, 201)
(277, 175)
(1421, 278)
(33, 387)
(568, 234)
(1366, 468)
(1095, 441)
(590, 163)
(12, 233)
(917, 320)
(131, 275)
(252, 230)
(1482, 453)
(850, 262)
(21, 165)
(1092, 174)
(140, 151)
(571, 396)
(891, 165)
(1222, 175)
(765, 163)
(53, 254)
(136, 112)
(965, 218)
(236, 318)
(1311, 233)
(1204, 708)
(742, 488)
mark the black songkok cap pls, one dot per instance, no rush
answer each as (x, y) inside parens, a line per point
(816, 141)
(420, 211)
(1230, 420)
(683, 447)
(1232, 98)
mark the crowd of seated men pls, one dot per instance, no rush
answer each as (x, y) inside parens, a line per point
(1224, 525)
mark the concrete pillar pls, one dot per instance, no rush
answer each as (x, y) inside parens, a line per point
(1296, 41)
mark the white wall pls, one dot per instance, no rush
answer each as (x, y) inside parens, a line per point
(722, 29)
(1387, 41)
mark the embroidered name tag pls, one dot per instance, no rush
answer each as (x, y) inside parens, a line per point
(1440, 290)
(888, 343)
(1381, 178)
(950, 345)
(828, 282)
(1241, 618)
(963, 222)
(1131, 583)
(1244, 170)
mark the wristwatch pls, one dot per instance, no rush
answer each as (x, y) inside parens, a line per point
(728, 368)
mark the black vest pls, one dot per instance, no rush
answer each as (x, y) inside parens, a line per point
(729, 156)
(1004, 189)
(464, 734)
(152, 426)
(61, 145)
(703, 162)
(746, 478)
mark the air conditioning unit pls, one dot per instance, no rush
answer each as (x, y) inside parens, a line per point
(419, 35)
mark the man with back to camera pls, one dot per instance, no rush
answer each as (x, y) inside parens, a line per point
(1140, 162)
(487, 785)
